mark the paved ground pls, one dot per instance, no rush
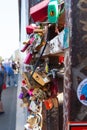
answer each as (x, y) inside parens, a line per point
(8, 119)
(15, 116)
(21, 113)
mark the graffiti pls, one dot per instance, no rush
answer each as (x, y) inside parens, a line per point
(77, 60)
(84, 38)
(82, 5)
(79, 54)
(84, 28)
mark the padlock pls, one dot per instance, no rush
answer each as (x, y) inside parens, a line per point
(28, 58)
(39, 42)
(26, 78)
(42, 79)
(21, 95)
(54, 11)
(38, 94)
(26, 42)
(39, 11)
(48, 104)
(30, 29)
(24, 48)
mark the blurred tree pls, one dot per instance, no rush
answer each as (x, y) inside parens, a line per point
(1, 59)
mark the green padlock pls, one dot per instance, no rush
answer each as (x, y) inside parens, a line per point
(53, 11)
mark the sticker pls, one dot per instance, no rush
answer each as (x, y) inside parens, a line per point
(77, 126)
(82, 92)
(66, 38)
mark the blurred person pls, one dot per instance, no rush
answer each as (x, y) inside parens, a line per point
(14, 66)
(2, 81)
(2, 67)
(18, 66)
(15, 69)
(10, 75)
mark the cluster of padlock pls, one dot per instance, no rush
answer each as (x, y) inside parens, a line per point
(39, 84)
(34, 92)
(41, 88)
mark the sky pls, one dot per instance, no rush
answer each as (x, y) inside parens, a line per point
(9, 36)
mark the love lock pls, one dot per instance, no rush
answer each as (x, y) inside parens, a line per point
(42, 79)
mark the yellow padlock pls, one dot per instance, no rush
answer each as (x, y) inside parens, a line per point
(42, 79)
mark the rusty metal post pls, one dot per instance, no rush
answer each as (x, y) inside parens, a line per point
(75, 78)
(67, 64)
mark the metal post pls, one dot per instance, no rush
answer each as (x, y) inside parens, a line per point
(75, 63)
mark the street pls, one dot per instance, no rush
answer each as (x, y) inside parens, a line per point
(8, 119)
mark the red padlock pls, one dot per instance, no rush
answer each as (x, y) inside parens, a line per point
(48, 104)
(39, 11)
(29, 29)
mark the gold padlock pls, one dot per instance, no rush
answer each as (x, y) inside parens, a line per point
(42, 79)
(25, 76)
(26, 42)
(30, 83)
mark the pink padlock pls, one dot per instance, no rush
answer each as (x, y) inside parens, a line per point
(24, 48)
(28, 58)
(31, 40)
(30, 92)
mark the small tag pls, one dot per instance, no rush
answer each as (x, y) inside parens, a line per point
(45, 80)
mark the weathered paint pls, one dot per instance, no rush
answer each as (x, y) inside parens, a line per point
(76, 21)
